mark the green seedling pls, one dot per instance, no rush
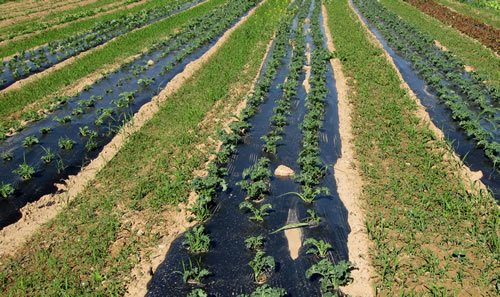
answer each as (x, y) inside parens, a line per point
(308, 195)
(270, 143)
(60, 165)
(145, 82)
(45, 130)
(48, 157)
(266, 291)
(63, 120)
(125, 99)
(77, 111)
(30, 141)
(320, 248)
(197, 293)
(86, 131)
(254, 243)
(193, 274)
(201, 209)
(197, 241)
(262, 265)
(91, 143)
(258, 184)
(25, 171)
(7, 156)
(332, 276)
(258, 213)
(6, 190)
(66, 143)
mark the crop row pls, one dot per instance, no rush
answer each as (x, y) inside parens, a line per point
(102, 108)
(33, 61)
(256, 179)
(473, 104)
(206, 187)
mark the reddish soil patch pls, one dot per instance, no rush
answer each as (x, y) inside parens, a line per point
(486, 34)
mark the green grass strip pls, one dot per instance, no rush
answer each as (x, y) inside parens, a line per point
(486, 15)
(472, 52)
(116, 50)
(16, 46)
(431, 236)
(90, 248)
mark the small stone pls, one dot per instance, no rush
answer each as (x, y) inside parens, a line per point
(307, 21)
(151, 63)
(140, 233)
(284, 171)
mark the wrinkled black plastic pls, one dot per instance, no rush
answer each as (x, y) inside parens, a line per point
(228, 257)
(441, 116)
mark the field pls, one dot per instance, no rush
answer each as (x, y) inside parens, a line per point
(249, 148)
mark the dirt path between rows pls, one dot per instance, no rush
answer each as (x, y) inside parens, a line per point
(464, 172)
(349, 185)
(46, 208)
(486, 34)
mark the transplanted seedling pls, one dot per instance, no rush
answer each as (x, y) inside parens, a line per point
(6, 190)
(320, 248)
(7, 156)
(45, 130)
(258, 184)
(266, 291)
(30, 141)
(197, 241)
(197, 293)
(66, 143)
(254, 243)
(86, 131)
(258, 213)
(191, 273)
(262, 265)
(63, 120)
(309, 194)
(48, 157)
(125, 99)
(25, 171)
(332, 276)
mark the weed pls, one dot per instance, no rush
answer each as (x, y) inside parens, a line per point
(48, 157)
(309, 195)
(193, 274)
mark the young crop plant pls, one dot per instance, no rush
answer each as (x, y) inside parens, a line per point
(91, 143)
(258, 213)
(145, 81)
(331, 276)
(86, 131)
(270, 142)
(262, 266)
(6, 190)
(254, 243)
(197, 293)
(30, 141)
(193, 273)
(63, 120)
(7, 156)
(320, 248)
(45, 130)
(258, 184)
(66, 143)
(266, 291)
(48, 157)
(25, 171)
(125, 99)
(309, 194)
(77, 111)
(197, 241)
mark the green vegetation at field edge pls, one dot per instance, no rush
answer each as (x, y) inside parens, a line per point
(431, 235)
